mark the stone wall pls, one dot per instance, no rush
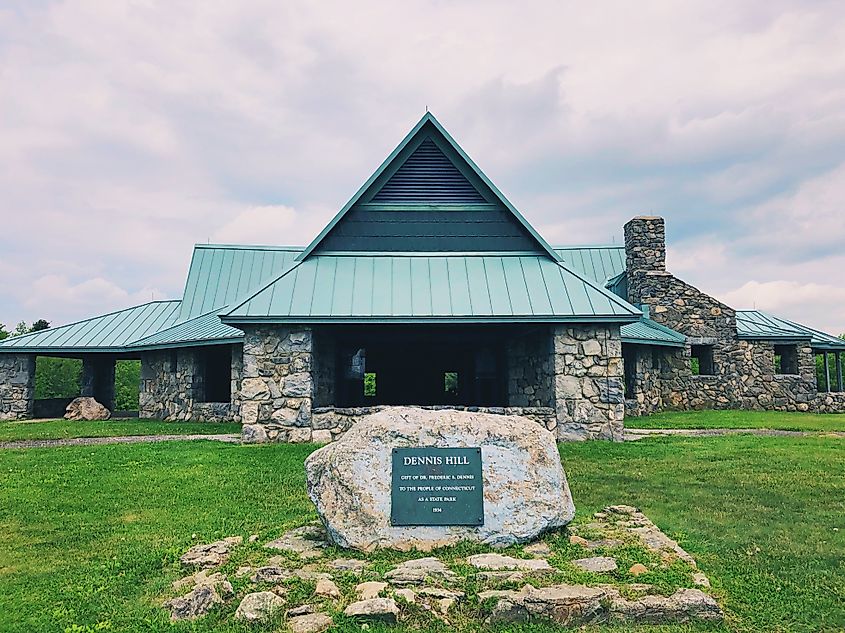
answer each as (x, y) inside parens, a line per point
(177, 393)
(324, 361)
(277, 388)
(17, 386)
(588, 382)
(650, 394)
(531, 369)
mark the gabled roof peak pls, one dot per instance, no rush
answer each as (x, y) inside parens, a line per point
(430, 170)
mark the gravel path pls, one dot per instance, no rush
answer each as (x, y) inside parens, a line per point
(638, 434)
(121, 439)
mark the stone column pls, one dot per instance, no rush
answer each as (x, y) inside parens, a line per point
(277, 386)
(588, 369)
(98, 379)
(17, 386)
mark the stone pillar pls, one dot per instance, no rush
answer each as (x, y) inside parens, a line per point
(588, 369)
(530, 366)
(277, 387)
(17, 386)
(98, 379)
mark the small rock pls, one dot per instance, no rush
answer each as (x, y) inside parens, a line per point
(596, 564)
(539, 549)
(310, 623)
(637, 569)
(253, 538)
(377, 609)
(685, 605)
(370, 590)
(211, 554)
(578, 540)
(327, 589)
(271, 574)
(352, 565)
(198, 602)
(407, 595)
(445, 604)
(303, 609)
(207, 592)
(439, 592)
(501, 576)
(258, 606)
(243, 571)
(279, 590)
(500, 562)
(415, 572)
(621, 509)
(321, 436)
(700, 579)
(308, 541)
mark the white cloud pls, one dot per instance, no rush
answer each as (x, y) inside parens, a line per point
(136, 129)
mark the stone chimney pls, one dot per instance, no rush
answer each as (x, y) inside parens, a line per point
(645, 245)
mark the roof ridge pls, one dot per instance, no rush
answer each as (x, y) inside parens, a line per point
(251, 247)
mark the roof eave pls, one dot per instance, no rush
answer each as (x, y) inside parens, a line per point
(235, 320)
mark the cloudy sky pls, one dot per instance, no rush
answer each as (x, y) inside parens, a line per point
(131, 130)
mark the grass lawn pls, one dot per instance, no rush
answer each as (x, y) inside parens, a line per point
(90, 536)
(66, 429)
(739, 420)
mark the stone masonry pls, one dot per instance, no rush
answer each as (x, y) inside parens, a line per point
(744, 371)
(277, 388)
(531, 369)
(588, 382)
(172, 387)
(17, 386)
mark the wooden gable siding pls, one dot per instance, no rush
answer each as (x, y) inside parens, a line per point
(390, 228)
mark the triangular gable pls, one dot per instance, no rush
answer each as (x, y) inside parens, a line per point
(428, 196)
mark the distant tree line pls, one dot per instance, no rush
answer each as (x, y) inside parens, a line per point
(62, 377)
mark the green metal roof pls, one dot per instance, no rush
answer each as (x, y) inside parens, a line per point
(759, 325)
(599, 263)
(430, 288)
(220, 274)
(201, 330)
(648, 332)
(113, 332)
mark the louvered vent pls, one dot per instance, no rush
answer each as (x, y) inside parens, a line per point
(428, 176)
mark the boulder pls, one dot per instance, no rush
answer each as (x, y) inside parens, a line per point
(86, 408)
(525, 488)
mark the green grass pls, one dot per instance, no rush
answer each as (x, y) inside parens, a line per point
(739, 420)
(90, 536)
(65, 429)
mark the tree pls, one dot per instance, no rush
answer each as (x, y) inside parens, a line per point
(39, 325)
(20, 328)
(4, 333)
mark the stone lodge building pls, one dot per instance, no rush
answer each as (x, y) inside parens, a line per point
(429, 288)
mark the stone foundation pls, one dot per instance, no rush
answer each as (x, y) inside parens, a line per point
(17, 386)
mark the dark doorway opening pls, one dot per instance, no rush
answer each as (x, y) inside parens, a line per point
(432, 366)
(217, 373)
